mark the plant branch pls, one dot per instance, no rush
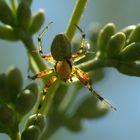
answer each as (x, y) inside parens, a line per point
(36, 60)
(75, 18)
(13, 6)
(96, 63)
(15, 136)
(49, 98)
(128, 68)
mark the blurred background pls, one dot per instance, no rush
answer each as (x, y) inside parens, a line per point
(123, 91)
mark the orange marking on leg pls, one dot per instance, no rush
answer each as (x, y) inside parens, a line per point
(47, 56)
(76, 54)
(50, 82)
(86, 81)
(83, 77)
(43, 73)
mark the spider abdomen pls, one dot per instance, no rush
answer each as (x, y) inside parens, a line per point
(61, 47)
(63, 69)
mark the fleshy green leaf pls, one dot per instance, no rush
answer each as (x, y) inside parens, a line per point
(7, 33)
(127, 30)
(37, 21)
(104, 35)
(6, 15)
(135, 35)
(115, 44)
(24, 15)
(31, 133)
(25, 101)
(131, 52)
(14, 81)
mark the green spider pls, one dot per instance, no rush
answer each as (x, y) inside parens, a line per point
(63, 64)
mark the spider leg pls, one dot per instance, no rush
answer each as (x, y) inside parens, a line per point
(83, 48)
(49, 58)
(86, 81)
(77, 56)
(41, 74)
(49, 83)
(39, 40)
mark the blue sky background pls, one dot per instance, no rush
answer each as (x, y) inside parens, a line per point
(123, 91)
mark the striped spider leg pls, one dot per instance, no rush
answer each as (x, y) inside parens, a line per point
(48, 84)
(50, 59)
(86, 81)
(83, 47)
(82, 76)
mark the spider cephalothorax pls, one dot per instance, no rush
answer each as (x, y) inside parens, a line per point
(63, 60)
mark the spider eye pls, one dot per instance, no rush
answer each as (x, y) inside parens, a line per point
(61, 47)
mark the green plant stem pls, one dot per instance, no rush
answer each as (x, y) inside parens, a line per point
(68, 98)
(13, 5)
(37, 63)
(49, 98)
(96, 63)
(16, 136)
(75, 18)
(131, 69)
(50, 130)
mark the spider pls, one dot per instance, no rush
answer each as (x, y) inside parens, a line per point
(63, 64)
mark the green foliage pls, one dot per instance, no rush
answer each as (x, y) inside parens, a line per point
(15, 102)
(27, 1)
(58, 116)
(119, 50)
(8, 33)
(25, 101)
(4, 94)
(23, 15)
(8, 119)
(31, 133)
(6, 15)
(35, 126)
(115, 44)
(73, 123)
(127, 30)
(16, 17)
(104, 35)
(37, 21)
(131, 52)
(39, 121)
(14, 81)
(135, 35)
(85, 108)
